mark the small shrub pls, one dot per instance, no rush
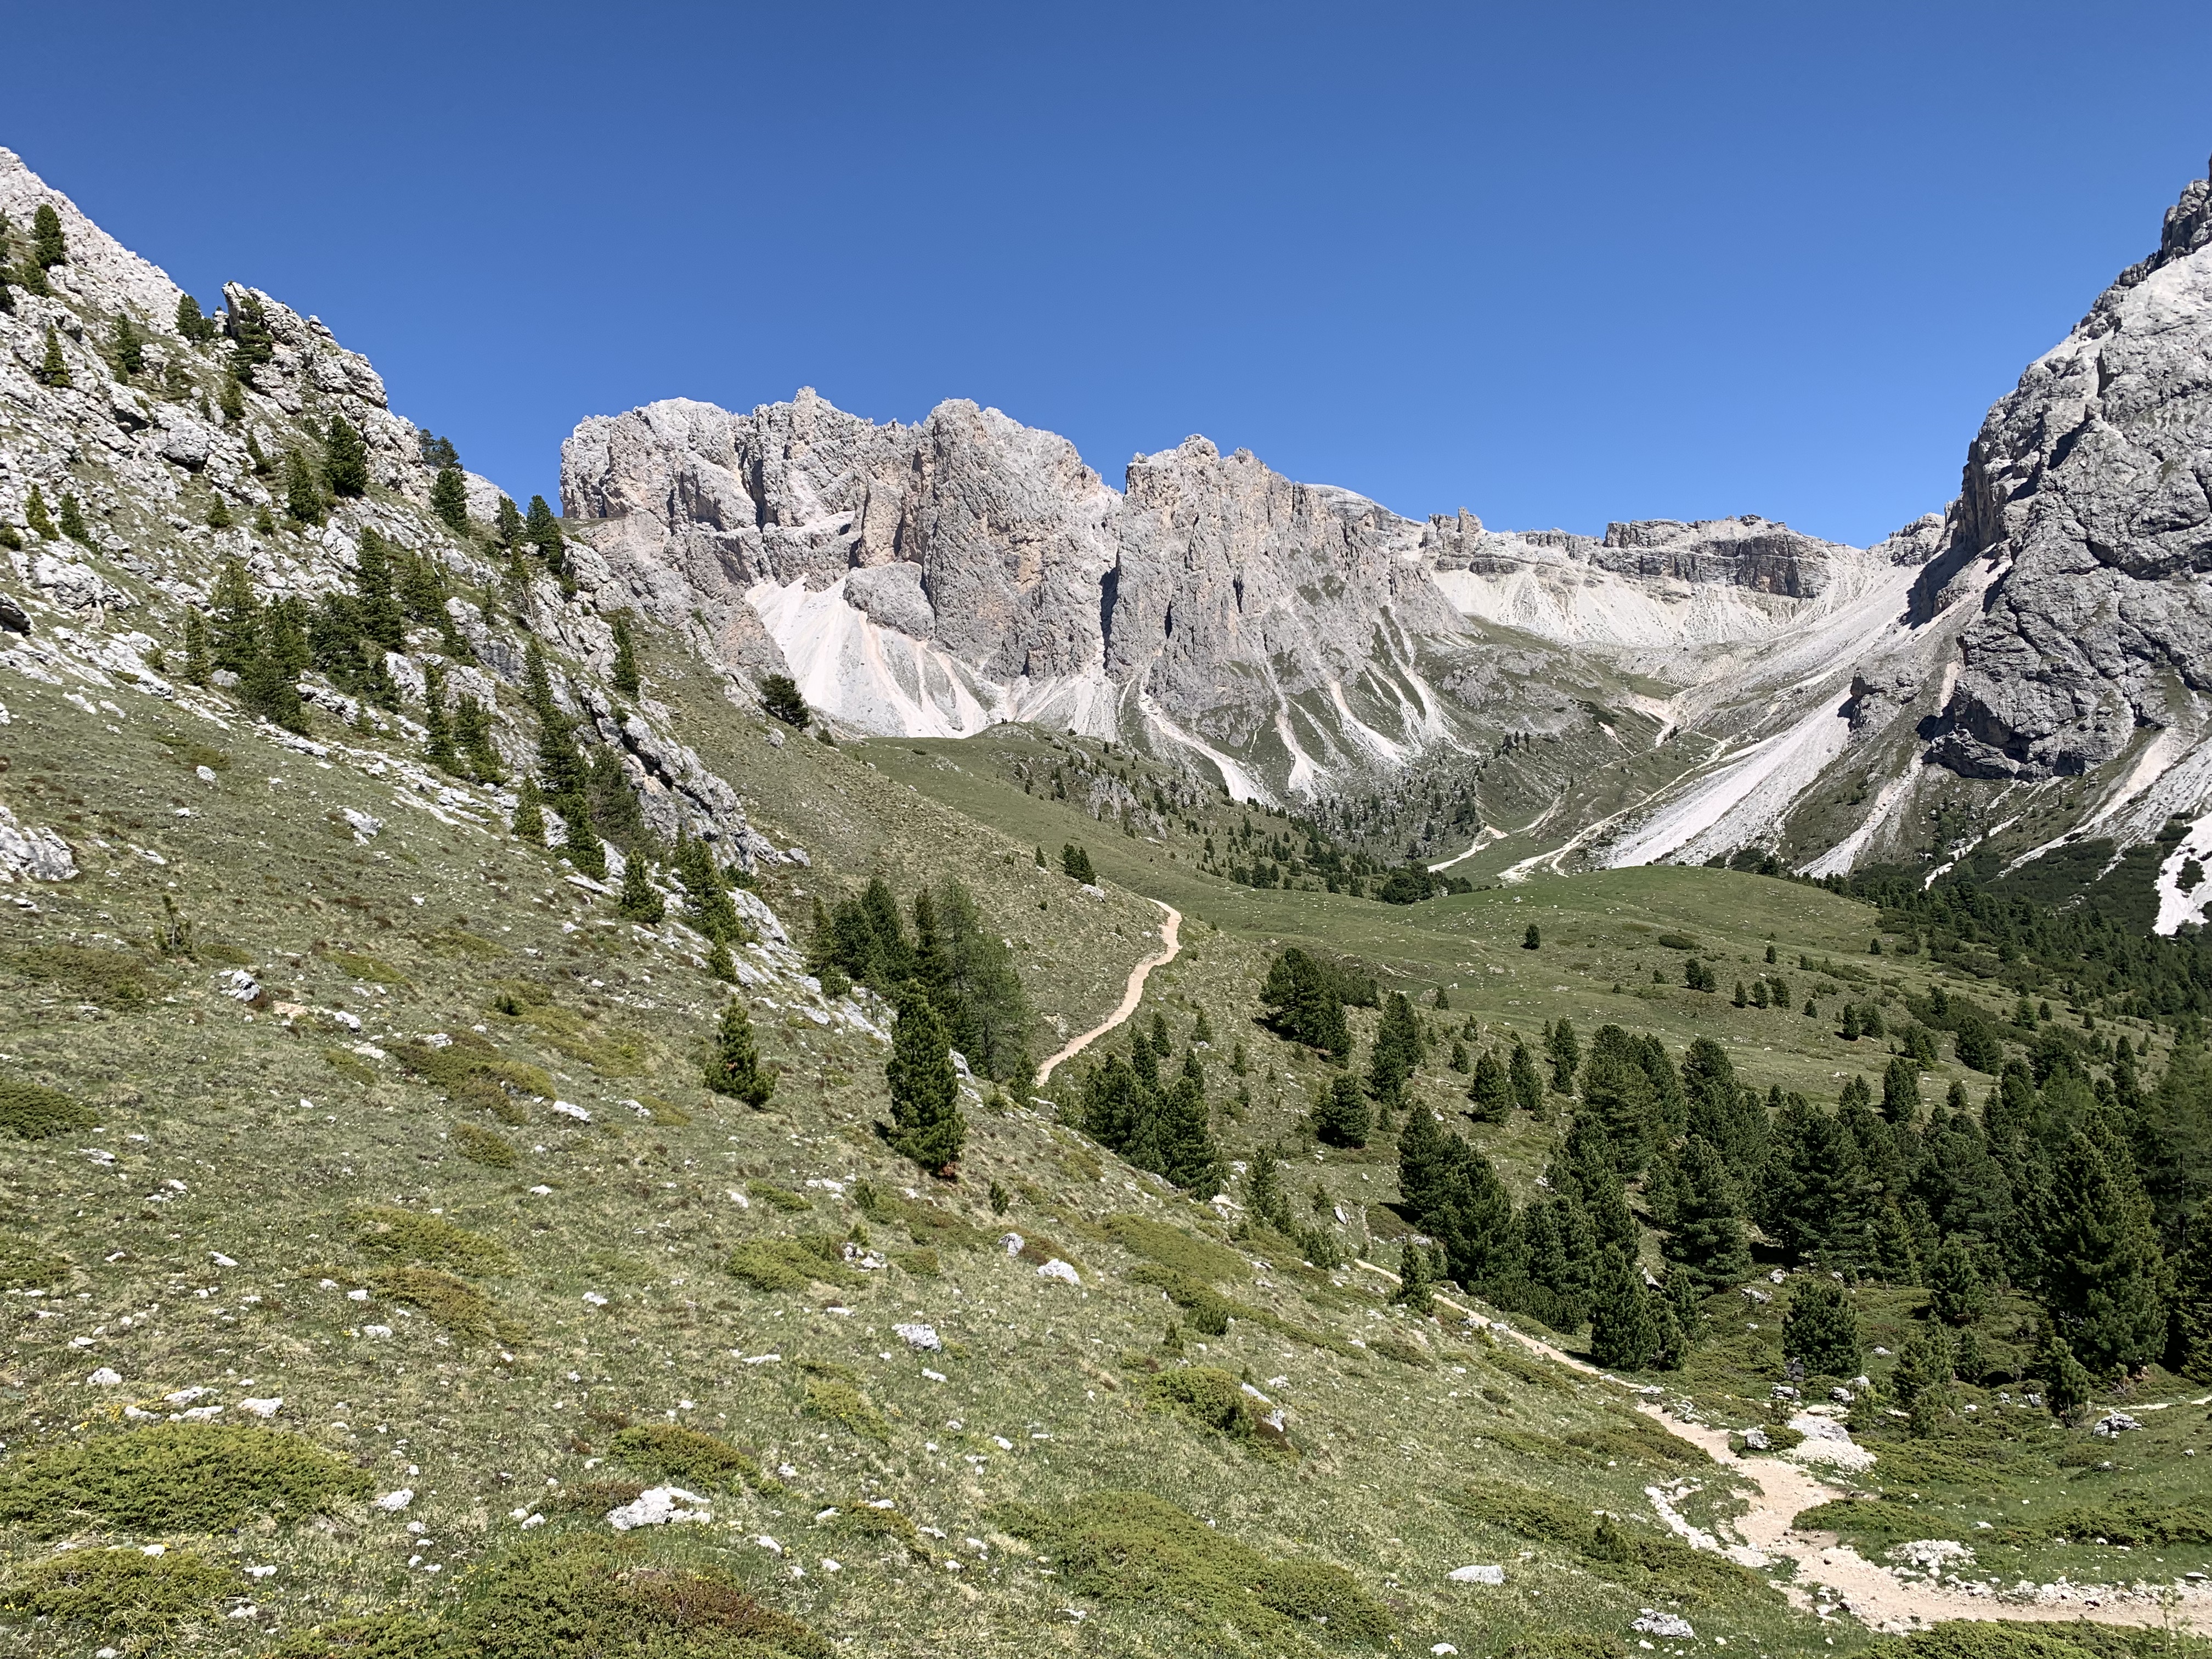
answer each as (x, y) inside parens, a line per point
(1173, 1247)
(350, 1066)
(429, 1240)
(108, 977)
(831, 1399)
(1879, 1522)
(481, 1145)
(1676, 941)
(866, 1520)
(787, 1264)
(1214, 1399)
(27, 1265)
(2132, 1521)
(31, 1111)
(124, 1590)
(922, 1263)
(451, 1305)
(1404, 1352)
(1131, 1549)
(687, 1456)
(172, 1478)
(782, 1197)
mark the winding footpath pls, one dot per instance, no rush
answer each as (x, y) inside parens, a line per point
(1878, 1597)
(1170, 944)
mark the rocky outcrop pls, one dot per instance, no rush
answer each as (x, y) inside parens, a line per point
(2087, 494)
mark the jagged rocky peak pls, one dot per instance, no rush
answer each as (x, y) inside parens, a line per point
(2086, 505)
(1746, 552)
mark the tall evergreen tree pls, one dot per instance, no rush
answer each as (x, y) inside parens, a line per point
(126, 349)
(1341, 1118)
(1416, 1282)
(1616, 1090)
(49, 246)
(528, 823)
(303, 491)
(1625, 1330)
(2066, 1380)
(1522, 1082)
(438, 732)
(1900, 1091)
(2105, 1285)
(345, 467)
(1957, 1290)
(472, 732)
(733, 1064)
(53, 369)
(1396, 1053)
(506, 524)
(1821, 1329)
(1706, 1244)
(449, 499)
(1456, 1198)
(977, 990)
(2188, 1334)
(705, 900)
(543, 531)
(1305, 1004)
(640, 900)
(72, 519)
(34, 515)
(926, 1121)
(190, 323)
(623, 675)
(1564, 1054)
(1489, 1095)
(269, 684)
(237, 618)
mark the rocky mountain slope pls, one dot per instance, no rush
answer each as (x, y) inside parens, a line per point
(1762, 690)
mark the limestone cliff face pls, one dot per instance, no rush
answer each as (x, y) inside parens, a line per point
(2085, 494)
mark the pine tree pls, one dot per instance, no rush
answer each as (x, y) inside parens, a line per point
(1900, 1091)
(641, 901)
(269, 686)
(472, 732)
(1521, 1082)
(126, 348)
(506, 524)
(49, 248)
(1533, 940)
(1706, 1244)
(190, 323)
(1958, 1291)
(2105, 1273)
(1490, 1094)
(1265, 1201)
(34, 515)
(624, 674)
(303, 491)
(1849, 1029)
(249, 333)
(1075, 864)
(438, 733)
(1457, 1059)
(529, 821)
(1564, 1054)
(53, 368)
(2067, 1384)
(1415, 1281)
(1821, 1329)
(1397, 1052)
(1925, 1362)
(346, 465)
(449, 499)
(543, 531)
(733, 1064)
(780, 700)
(926, 1121)
(230, 397)
(2189, 1343)
(237, 616)
(196, 649)
(72, 521)
(1341, 1119)
(1617, 1092)
(1623, 1330)
(721, 964)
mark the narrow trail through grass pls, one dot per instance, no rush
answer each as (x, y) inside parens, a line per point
(1170, 944)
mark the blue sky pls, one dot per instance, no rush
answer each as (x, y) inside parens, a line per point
(1557, 263)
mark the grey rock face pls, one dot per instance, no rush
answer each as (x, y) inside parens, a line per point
(2086, 492)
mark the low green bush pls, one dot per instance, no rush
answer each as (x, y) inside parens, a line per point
(782, 1197)
(1172, 1247)
(1132, 1549)
(27, 1265)
(481, 1145)
(689, 1457)
(1974, 1639)
(832, 1400)
(1626, 1552)
(1214, 1399)
(1877, 1522)
(2134, 1522)
(125, 1591)
(111, 978)
(31, 1111)
(174, 1478)
(430, 1241)
(787, 1264)
(452, 1305)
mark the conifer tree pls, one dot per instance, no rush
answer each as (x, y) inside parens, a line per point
(543, 531)
(1564, 1052)
(1706, 1244)
(303, 491)
(2104, 1272)
(1900, 1091)
(438, 732)
(269, 685)
(53, 368)
(1397, 1052)
(49, 248)
(346, 465)
(1265, 1201)
(506, 524)
(1533, 940)
(624, 674)
(230, 397)
(449, 499)
(196, 649)
(1341, 1119)
(473, 733)
(721, 964)
(1489, 1095)
(1457, 1059)
(641, 901)
(529, 821)
(1521, 1082)
(1416, 1282)
(926, 1121)
(190, 323)
(705, 899)
(1821, 1329)
(125, 350)
(1616, 1090)
(2067, 1384)
(1625, 1331)
(250, 334)
(236, 619)
(1957, 1289)
(2189, 1339)
(72, 521)
(1075, 864)
(733, 1064)
(580, 841)
(34, 515)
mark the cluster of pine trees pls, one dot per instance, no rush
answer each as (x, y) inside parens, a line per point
(1305, 998)
(1131, 1107)
(950, 958)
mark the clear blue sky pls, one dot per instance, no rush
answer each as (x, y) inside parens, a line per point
(1557, 263)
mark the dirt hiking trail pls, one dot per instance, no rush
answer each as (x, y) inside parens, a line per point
(1170, 943)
